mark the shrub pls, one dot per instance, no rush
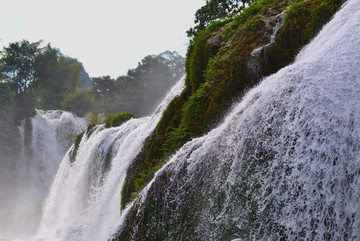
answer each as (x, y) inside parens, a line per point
(294, 11)
(113, 120)
(81, 102)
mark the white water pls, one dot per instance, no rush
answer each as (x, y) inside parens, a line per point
(285, 163)
(84, 202)
(45, 139)
(52, 134)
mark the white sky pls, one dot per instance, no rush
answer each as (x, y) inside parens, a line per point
(107, 36)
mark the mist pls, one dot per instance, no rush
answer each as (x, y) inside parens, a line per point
(27, 177)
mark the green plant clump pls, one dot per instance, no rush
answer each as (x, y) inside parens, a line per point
(113, 120)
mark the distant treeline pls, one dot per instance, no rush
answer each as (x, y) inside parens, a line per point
(142, 88)
(46, 79)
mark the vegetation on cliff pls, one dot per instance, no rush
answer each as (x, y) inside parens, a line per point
(224, 59)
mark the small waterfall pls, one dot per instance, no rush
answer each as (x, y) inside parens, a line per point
(254, 60)
(45, 139)
(84, 202)
(51, 134)
(284, 165)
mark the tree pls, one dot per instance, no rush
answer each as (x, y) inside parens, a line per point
(142, 88)
(215, 9)
(41, 77)
(56, 76)
(155, 74)
(81, 102)
(18, 63)
(9, 139)
(103, 87)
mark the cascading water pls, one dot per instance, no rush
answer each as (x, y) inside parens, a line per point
(255, 56)
(46, 137)
(285, 163)
(51, 133)
(84, 202)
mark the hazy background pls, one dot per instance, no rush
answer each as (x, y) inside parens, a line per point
(108, 37)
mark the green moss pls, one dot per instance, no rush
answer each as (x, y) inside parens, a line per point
(197, 60)
(249, 12)
(76, 147)
(143, 178)
(108, 159)
(123, 193)
(215, 25)
(121, 118)
(293, 13)
(114, 120)
(108, 119)
(193, 110)
(90, 129)
(308, 17)
(320, 17)
(251, 24)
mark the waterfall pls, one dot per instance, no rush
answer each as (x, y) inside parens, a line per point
(45, 139)
(284, 164)
(51, 134)
(84, 201)
(254, 65)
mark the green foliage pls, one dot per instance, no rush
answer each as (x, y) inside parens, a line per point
(18, 62)
(248, 16)
(93, 119)
(214, 10)
(142, 88)
(57, 77)
(77, 141)
(251, 24)
(108, 119)
(113, 120)
(155, 75)
(293, 13)
(175, 139)
(195, 106)
(80, 102)
(9, 139)
(40, 77)
(196, 61)
(321, 16)
(108, 159)
(143, 179)
(120, 118)
(308, 17)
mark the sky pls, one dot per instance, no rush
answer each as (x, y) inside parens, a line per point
(107, 36)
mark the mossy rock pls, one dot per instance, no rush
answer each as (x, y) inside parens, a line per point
(114, 120)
